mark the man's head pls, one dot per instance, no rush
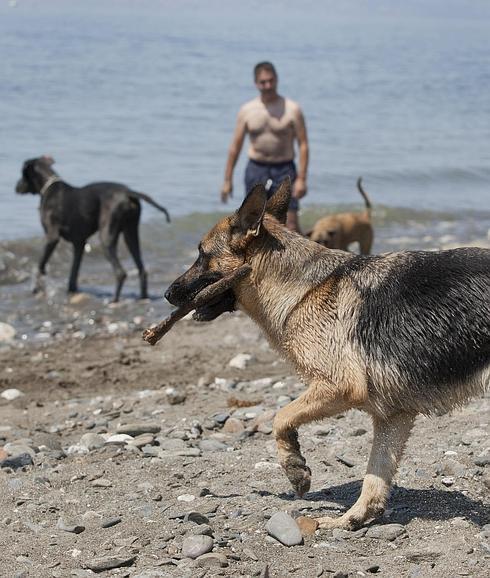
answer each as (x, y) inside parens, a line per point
(265, 77)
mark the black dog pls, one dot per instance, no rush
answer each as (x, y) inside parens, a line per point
(77, 213)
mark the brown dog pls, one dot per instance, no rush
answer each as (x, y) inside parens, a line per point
(340, 230)
(393, 335)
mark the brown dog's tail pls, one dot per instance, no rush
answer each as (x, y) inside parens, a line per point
(364, 195)
(149, 200)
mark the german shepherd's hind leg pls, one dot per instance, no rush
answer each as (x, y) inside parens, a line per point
(390, 437)
(314, 404)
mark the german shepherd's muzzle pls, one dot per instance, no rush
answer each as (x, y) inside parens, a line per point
(186, 288)
(393, 335)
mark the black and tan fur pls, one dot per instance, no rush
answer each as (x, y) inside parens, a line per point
(340, 230)
(394, 335)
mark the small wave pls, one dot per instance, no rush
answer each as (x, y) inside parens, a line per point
(170, 247)
(438, 174)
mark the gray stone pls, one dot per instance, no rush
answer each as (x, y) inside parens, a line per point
(196, 517)
(17, 462)
(451, 468)
(284, 528)
(447, 481)
(212, 446)
(212, 560)
(360, 431)
(152, 573)
(152, 451)
(110, 562)
(91, 441)
(187, 452)
(136, 429)
(220, 418)
(346, 461)
(233, 426)
(142, 440)
(179, 434)
(19, 447)
(240, 361)
(283, 400)
(7, 332)
(109, 522)
(482, 461)
(427, 554)
(202, 530)
(173, 396)
(195, 546)
(69, 526)
(250, 554)
(171, 444)
(102, 483)
(387, 532)
(119, 439)
(11, 394)
(484, 532)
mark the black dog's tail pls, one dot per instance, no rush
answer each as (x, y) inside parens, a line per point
(149, 200)
(364, 194)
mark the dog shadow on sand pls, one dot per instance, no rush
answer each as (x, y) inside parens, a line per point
(404, 505)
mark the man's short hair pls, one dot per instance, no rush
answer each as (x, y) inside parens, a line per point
(267, 66)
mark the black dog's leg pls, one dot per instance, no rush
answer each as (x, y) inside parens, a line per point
(49, 247)
(77, 259)
(48, 251)
(132, 241)
(109, 242)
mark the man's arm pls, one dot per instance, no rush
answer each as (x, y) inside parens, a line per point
(299, 189)
(233, 154)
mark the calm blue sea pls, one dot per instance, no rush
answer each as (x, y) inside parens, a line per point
(146, 93)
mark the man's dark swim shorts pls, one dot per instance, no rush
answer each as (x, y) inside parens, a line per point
(261, 172)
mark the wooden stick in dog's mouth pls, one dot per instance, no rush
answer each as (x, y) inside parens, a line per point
(153, 334)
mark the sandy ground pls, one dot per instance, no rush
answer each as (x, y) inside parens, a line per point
(194, 477)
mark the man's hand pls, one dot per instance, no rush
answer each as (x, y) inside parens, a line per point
(226, 191)
(299, 188)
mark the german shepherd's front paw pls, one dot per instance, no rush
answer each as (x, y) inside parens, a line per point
(298, 473)
(344, 522)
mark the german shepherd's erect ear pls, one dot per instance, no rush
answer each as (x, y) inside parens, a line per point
(278, 204)
(249, 216)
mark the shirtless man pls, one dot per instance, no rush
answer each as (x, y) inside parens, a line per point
(272, 123)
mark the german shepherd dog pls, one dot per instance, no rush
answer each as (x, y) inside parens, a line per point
(394, 335)
(340, 230)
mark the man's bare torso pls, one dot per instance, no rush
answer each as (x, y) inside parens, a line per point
(271, 128)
